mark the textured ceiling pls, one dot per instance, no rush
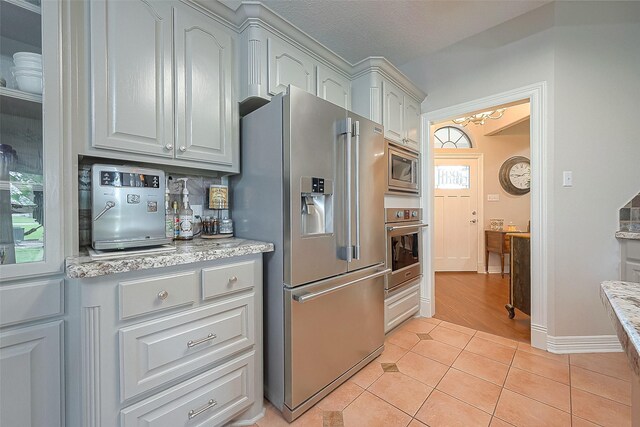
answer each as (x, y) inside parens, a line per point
(400, 30)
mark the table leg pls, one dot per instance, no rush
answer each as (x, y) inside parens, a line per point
(502, 265)
(486, 262)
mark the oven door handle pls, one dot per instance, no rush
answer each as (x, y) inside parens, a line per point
(404, 227)
(314, 295)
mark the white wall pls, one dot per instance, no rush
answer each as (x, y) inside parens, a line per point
(588, 54)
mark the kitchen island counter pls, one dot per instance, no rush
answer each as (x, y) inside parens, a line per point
(622, 300)
(630, 235)
(187, 252)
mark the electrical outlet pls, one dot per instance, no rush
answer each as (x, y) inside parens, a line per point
(197, 210)
(493, 197)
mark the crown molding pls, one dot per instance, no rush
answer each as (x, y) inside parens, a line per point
(255, 13)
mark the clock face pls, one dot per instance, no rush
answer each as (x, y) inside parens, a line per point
(515, 175)
(520, 175)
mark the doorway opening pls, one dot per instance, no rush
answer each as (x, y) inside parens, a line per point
(481, 208)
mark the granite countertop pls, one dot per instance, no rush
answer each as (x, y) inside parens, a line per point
(187, 252)
(628, 235)
(622, 300)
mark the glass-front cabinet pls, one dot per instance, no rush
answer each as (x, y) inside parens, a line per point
(30, 139)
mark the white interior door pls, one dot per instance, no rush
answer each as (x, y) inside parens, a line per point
(456, 218)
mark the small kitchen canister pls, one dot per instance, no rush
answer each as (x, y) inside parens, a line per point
(218, 197)
(226, 226)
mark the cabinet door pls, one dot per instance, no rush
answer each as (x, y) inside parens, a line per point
(204, 94)
(393, 112)
(30, 145)
(288, 66)
(131, 76)
(412, 123)
(333, 87)
(30, 371)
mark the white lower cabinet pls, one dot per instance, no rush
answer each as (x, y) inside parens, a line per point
(196, 361)
(208, 399)
(30, 376)
(630, 271)
(401, 306)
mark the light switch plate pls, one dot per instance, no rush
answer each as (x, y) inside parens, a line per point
(493, 197)
(567, 179)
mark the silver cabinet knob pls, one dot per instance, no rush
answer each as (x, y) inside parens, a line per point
(169, 147)
(163, 295)
(233, 279)
(183, 148)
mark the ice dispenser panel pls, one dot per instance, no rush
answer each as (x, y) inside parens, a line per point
(316, 196)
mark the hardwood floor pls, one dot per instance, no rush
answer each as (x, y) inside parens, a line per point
(477, 302)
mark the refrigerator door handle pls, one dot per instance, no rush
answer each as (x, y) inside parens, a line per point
(314, 295)
(356, 132)
(348, 251)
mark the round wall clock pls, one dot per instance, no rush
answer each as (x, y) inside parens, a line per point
(515, 175)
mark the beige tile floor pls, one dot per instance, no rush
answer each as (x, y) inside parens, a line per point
(435, 373)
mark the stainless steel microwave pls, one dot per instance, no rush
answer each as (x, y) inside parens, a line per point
(403, 170)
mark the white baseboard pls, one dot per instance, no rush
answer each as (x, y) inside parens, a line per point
(426, 309)
(538, 336)
(495, 269)
(584, 344)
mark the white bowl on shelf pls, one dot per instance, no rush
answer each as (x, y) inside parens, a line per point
(28, 56)
(29, 81)
(27, 64)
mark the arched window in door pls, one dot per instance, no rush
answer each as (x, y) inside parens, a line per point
(451, 137)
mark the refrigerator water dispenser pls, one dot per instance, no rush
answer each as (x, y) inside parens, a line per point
(316, 205)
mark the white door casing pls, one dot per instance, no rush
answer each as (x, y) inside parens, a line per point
(457, 218)
(541, 158)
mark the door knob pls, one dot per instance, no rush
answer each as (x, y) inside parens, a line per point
(473, 221)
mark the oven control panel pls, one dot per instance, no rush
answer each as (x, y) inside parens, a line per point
(403, 215)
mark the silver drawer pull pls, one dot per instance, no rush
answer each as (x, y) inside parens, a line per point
(163, 295)
(233, 279)
(195, 412)
(201, 340)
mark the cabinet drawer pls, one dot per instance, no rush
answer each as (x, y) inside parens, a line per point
(158, 351)
(208, 399)
(29, 301)
(138, 297)
(401, 306)
(228, 278)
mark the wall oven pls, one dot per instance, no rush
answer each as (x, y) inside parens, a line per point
(404, 247)
(403, 170)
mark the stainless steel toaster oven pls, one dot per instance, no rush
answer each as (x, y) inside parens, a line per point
(127, 207)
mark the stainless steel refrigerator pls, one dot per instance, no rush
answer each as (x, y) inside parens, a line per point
(312, 182)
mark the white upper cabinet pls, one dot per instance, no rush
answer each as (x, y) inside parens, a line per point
(163, 85)
(31, 129)
(393, 112)
(287, 65)
(411, 123)
(204, 91)
(333, 87)
(131, 75)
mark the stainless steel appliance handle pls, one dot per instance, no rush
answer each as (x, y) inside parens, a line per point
(348, 133)
(314, 295)
(403, 227)
(356, 131)
(110, 204)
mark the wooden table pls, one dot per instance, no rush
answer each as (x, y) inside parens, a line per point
(496, 242)
(520, 273)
